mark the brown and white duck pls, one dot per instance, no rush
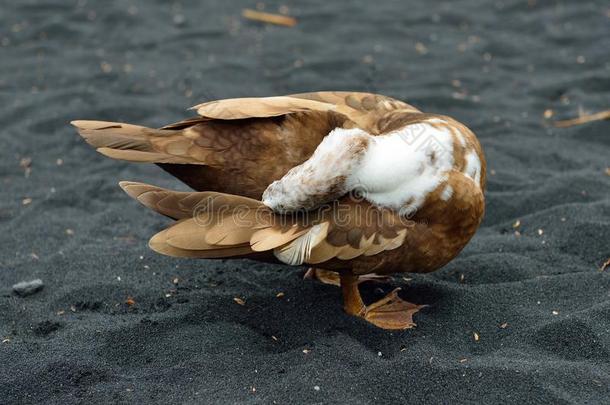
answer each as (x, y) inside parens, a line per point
(356, 185)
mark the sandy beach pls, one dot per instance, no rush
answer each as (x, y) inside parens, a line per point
(522, 315)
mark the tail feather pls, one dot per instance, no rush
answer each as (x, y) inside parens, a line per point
(115, 135)
(173, 204)
(159, 244)
(135, 143)
(186, 204)
(210, 224)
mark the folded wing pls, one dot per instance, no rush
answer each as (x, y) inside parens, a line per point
(214, 225)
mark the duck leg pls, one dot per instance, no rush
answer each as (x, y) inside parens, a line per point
(390, 312)
(332, 277)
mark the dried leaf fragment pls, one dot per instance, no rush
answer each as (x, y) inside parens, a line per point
(583, 119)
(25, 162)
(239, 301)
(269, 18)
(420, 48)
(26, 165)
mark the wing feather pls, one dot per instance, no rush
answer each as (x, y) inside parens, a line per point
(210, 225)
(364, 110)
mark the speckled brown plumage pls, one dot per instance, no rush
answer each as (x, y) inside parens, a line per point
(236, 148)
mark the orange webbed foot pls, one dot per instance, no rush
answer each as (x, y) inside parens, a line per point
(392, 312)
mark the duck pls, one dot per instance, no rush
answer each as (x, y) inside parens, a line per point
(355, 186)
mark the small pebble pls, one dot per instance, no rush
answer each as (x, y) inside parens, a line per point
(421, 48)
(179, 19)
(25, 288)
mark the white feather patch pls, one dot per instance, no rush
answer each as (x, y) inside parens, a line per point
(447, 193)
(299, 250)
(473, 167)
(404, 166)
(321, 178)
(397, 170)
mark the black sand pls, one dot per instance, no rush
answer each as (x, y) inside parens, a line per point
(496, 66)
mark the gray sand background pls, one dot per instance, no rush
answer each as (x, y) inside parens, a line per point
(538, 302)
